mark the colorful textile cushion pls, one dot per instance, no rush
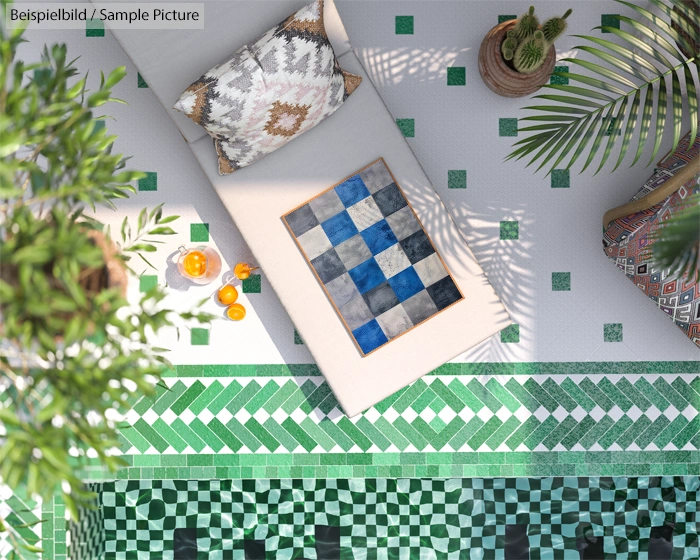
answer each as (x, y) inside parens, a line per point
(627, 242)
(270, 90)
(372, 256)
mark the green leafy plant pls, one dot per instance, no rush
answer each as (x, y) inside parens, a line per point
(527, 44)
(628, 92)
(74, 352)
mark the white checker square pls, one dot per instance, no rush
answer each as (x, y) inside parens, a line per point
(634, 413)
(596, 413)
(365, 213)
(205, 416)
(394, 322)
(485, 414)
(243, 415)
(261, 415)
(298, 415)
(427, 414)
(372, 415)
(541, 414)
(409, 415)
(150, 416)
(689, 412)
(522, 414)
(616, 413)
(447, 415)
(224, 416)
(503, 414)
(168, 417)
(560, 413)
(430, 270)
(578, 414)
(187, 416)
(652, 413)
(392, 260)
(671, 413)
(315, 242)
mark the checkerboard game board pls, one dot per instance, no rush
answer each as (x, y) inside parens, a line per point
(372, 256)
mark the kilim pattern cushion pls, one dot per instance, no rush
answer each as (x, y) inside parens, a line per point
(627, 242)
(270, 90)
(372, 256)
(557, 518)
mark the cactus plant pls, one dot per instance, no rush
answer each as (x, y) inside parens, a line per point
(526, 45)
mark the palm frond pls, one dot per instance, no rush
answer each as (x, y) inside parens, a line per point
(676, 244)
(626, 94)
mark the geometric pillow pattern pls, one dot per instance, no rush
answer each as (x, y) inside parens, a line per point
(270, 91)
(372, 256)
(628, 241)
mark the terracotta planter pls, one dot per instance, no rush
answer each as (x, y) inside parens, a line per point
(499, 76)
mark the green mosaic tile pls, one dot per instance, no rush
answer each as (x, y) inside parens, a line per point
(404, 25)
(457, 179)
(612, 332)
(147, 281)
(511, 334)
(407, 127)
(560, 179)
(252, 284)
(199, 337)
(199, 233)
(560, 80)
(140, 82)
(94, 28)
(609, 20)
(506, 17)
(561, 281)
(508, 127)
(456, 76)
(149, 182)
(509, 230)
(297, 338)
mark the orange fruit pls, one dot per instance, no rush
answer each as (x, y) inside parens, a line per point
(242, 271)
(228, 294)
(235, 312)
(195, 263)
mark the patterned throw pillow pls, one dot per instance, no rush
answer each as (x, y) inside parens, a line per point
(270, 90)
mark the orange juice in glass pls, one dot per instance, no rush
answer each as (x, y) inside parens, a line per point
(242, 270)
(200, 264)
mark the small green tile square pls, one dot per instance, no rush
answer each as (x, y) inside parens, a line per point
(149, 182)
(609, 20)
(560, 80)
(141, 83)
(404, 25)
(509, 230)
(561, 281)
(457, 179)
(252, 284)
(199, 233)
(507, 127)
(199, 337)
(147, 281)
(612, 332)
(560, 179)
(297, 337)
(407, 127)
(506, 17)
(456, 76)
(511, 334)
(94, 28)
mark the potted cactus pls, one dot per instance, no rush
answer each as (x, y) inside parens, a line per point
(517, 56)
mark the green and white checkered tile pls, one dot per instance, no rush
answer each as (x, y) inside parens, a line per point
(435, 414)
(88, 534)
(456, 518)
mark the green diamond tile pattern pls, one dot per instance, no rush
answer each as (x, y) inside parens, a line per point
(560, 80)
(252, 284)
(509, 230)
(149, 182)
(508, 127)
(199, 233)
(199, 337)
(560, 179)
(453, 414)
(561, 281)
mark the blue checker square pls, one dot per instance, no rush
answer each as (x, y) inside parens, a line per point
(379, 237)
(406, 284)
(352, 190)
(367, 275)
(349, 264)
(370, 336)
(339, 228)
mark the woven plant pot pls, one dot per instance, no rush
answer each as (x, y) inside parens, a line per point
(500, 76)
(112, 274)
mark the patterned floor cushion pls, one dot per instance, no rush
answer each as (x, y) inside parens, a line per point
(626, 241)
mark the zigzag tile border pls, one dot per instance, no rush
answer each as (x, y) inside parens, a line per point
(272, 421)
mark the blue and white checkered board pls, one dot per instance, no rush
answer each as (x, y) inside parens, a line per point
(372, 257)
